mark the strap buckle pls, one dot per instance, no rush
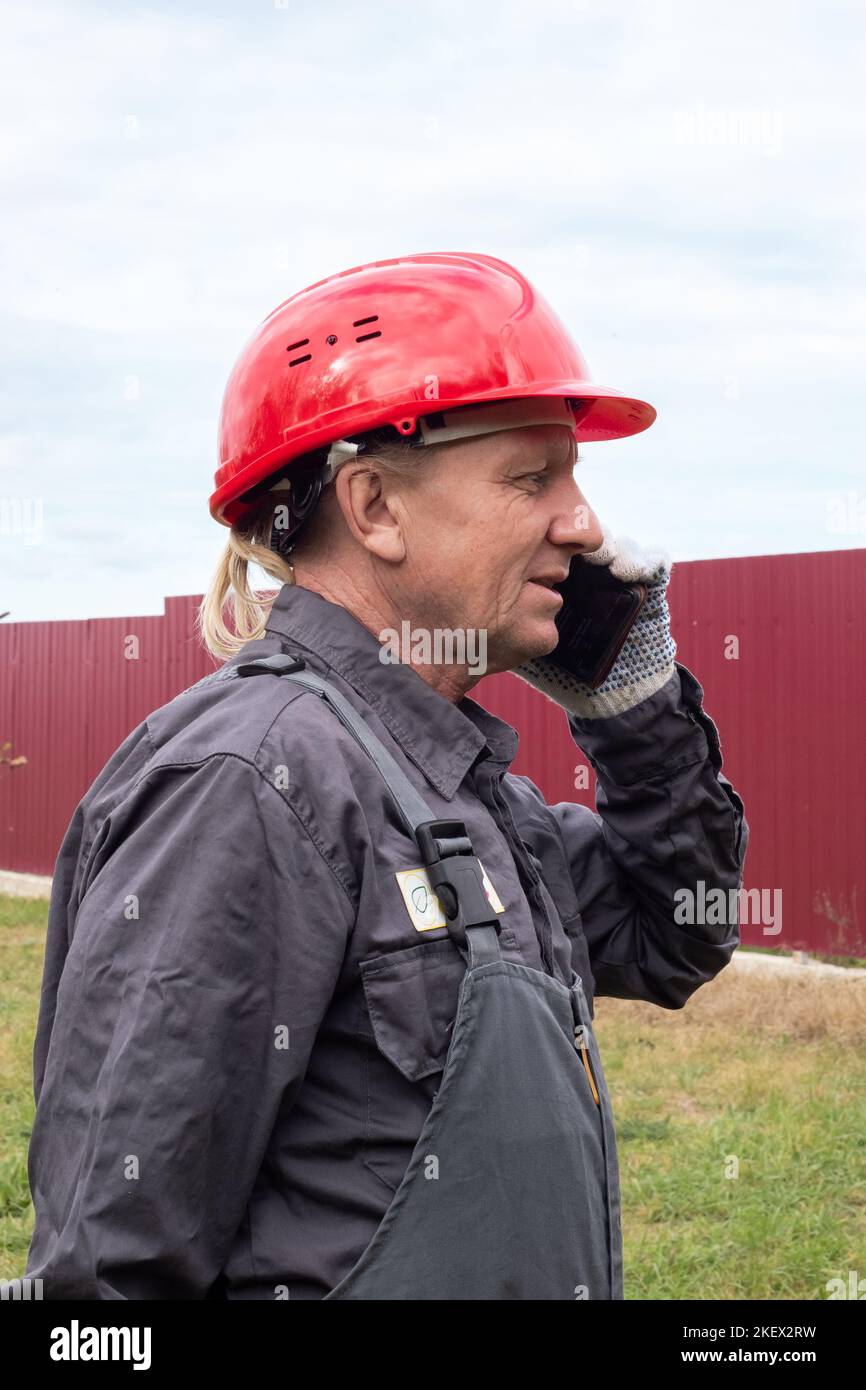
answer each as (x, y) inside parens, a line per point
(455, 876)
(280, 664)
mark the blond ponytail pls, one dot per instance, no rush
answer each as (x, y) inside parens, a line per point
(230, 593)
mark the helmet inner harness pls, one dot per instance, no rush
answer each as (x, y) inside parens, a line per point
(302, 482)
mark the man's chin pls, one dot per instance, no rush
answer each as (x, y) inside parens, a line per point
(541, 641)
(538, 641)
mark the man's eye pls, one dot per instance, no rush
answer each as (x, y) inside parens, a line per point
(539, 478)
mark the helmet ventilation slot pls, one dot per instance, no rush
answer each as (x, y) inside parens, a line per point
(359, 323)
(302, 342)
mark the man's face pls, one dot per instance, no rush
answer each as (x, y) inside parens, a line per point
(488, 519)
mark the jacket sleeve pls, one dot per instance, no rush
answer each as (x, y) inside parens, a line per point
(204, 951)
(669, 830)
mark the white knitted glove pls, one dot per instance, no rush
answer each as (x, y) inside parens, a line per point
(646, 660)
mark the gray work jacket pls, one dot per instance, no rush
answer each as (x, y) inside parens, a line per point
(241, 1026)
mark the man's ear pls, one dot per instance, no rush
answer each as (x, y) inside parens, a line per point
(369, 514)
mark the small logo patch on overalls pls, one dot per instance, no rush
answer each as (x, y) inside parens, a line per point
(422, 903)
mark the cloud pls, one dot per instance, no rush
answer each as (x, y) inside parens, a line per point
(677, 181)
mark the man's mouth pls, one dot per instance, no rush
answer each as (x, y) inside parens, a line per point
(550, 577)
(548, 586)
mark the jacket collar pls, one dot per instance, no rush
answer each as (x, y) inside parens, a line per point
(442, 738)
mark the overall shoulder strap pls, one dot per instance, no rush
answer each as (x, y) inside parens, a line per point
(413, 807)
(446, 849)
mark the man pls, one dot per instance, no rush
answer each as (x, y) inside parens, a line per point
(319, 979)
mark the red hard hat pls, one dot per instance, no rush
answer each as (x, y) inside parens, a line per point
(387, 343)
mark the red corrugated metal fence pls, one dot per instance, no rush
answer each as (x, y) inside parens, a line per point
(778, 643)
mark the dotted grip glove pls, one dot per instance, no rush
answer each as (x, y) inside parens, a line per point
(646, 660)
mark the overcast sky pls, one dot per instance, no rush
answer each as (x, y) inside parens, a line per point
(683, 181)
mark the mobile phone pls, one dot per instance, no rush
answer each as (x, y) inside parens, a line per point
(597, 615)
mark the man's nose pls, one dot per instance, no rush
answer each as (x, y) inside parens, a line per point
(576, 525)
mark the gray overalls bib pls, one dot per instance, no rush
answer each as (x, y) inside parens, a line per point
(512, 1189)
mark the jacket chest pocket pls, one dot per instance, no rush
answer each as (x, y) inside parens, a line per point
(411, 1000)
(411, 997)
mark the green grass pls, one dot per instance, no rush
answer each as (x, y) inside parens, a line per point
(768, 1072)
(22, 943)
(742, 1150)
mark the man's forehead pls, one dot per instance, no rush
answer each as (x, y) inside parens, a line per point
(555, 442)
(500, 452)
